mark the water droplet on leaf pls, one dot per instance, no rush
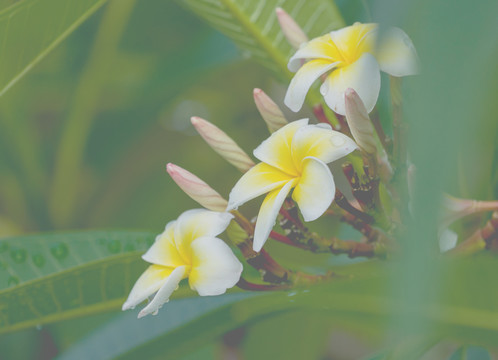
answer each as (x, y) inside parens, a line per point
(18, 255)
(38, 260)
(114, 246)
(13, 280)
(129, 247)
(59, 251)
(4, 246)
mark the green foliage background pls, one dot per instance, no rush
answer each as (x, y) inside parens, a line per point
(95, 99)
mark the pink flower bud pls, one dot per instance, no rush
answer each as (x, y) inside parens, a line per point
(270, 112)
(222, 144)
(292, 31)
(455, 208)
(196, 188)
(359, 123)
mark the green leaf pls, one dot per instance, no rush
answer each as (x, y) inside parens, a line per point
(30, 29)
(253, 25)
(471, 353)
(359, 300)
(125, 331)
(47, 278)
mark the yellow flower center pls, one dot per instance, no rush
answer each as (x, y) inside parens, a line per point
(347, 46)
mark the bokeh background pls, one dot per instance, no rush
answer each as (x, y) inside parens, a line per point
(85, 137)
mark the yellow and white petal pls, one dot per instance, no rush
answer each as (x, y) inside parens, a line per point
(363, 76)
(302, 81)
(147, 284)
(321, 142)
(259, 180)
(196, 223)
(317, 48)
(215, 268)
(396, 54)
(352, 41)
(268, 214)
(163, 294)
(276, 150)
(164, 251)
(315, 190)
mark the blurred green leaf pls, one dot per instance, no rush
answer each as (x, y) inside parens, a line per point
(470, 353)
(30, 29)
(359, 299)
(47, 278)
(253, 25)
(125, 331)
(294, 335)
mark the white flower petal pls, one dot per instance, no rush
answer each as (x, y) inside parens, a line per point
(396, 54)
(147, 284)
(214, 267)
(317, 48)
(363, 76)
(196, 223)
(322, 142)
(302, 81)
(164, 251)
(315, 190)
(447, 240)
(164, 293)
(268, 214)
(276, 150)
(259, 180)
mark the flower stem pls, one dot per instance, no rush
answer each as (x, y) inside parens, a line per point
(483, 238)
(399, 128)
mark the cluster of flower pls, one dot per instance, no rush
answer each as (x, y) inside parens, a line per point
(294, 158)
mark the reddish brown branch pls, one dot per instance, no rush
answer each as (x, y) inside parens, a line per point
(483, 238)
(341, 200)
(284, 239)
(321, 117)
(246, 285)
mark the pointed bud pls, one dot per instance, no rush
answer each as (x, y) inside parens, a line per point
(292, 31)
(455, 208)
(196, 188)
(365, 135)
(222, 144)
(270, 112)
(359, 123)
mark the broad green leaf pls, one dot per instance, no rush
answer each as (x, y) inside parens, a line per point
(360, 300)
(47, 278)
(30, 29)
(253, 25)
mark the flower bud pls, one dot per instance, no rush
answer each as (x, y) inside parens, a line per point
(359, 123)
(270, 112)
(196, 188)
(292, 31)
(222, 144)
(454, 208)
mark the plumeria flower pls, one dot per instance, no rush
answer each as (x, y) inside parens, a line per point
(293, 157)
(353, 59)
(188, 248)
